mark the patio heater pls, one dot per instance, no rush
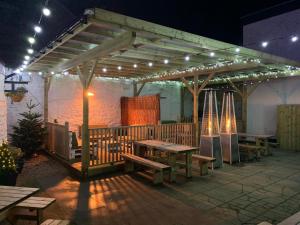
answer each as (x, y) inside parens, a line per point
(228, 131)
(210, 136)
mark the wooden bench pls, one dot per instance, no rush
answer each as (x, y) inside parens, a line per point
(292, 220)
(158, 168)
(250, 151)
(34, 203)
(56, 222)
(203, 163)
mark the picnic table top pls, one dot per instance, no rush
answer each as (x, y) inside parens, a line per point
(263, 136)
(10, 196)
(166, 146)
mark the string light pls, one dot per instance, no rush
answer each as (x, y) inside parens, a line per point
(135, 66)
(150, 64)
(119, 67)
(31, 40)
(25, 62)
(40, 73)
(37, 29)
(264, 44)
(294, 38)
(52, 73)
(237, 50)
(104, 70)
(166, 61)
(26, 57)
(212, 54)
(46, 11)
(30, 51)
(187, 58)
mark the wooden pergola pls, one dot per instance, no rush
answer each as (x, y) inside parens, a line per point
(107, 44)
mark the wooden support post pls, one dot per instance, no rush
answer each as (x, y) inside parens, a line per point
(244, 93)
(47, 83)
(136, 91)
(86, 75)
(195, 91)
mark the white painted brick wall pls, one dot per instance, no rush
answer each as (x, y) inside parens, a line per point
(3, 113)
(65, 100)
(35, 93)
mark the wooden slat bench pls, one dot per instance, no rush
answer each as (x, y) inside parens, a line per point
(56, 222)
(203, 163)
(158, 168)
(249, 151)
(34, 203)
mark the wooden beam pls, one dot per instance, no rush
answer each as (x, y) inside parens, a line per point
(223, 69)
(252, 89)
(189, 87)
(125, 40)
(203, 85)
(140, 89)
(235, 87)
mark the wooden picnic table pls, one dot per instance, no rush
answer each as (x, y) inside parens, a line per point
(173, 150)
(10, 196)
(260, 140)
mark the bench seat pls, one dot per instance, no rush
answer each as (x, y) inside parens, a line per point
(34, 203)
(56, 222)
(158, 168)
(203, 163)
(250, 151)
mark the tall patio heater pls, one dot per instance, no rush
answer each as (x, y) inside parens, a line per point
(228, 131)
(210, 136)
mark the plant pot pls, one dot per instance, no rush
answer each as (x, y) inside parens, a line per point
(17, 98)
(20, 164)
(8, 178)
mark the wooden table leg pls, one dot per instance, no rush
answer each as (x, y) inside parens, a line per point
(39, 216)
(172, 163)
(188, 164)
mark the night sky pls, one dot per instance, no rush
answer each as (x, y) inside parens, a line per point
(221, 20)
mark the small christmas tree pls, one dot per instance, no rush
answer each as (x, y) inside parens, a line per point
(29, 133)
(7, 161)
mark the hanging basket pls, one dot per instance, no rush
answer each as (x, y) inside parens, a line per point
(17, 95)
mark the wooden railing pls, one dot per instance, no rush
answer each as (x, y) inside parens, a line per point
(58, 139)
(108, 143)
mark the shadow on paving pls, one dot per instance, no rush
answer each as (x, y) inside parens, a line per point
(268, 190)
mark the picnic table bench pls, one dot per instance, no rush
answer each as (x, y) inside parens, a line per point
(158, 168)
(203, 163)
(56, 222)
(261, 140)
(37, 204)
(249, 152)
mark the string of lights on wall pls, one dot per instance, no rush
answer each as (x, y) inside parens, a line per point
(46, 12)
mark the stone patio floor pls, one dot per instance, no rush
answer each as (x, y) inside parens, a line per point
(253, 192)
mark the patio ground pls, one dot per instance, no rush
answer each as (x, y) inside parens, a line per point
(268, 190)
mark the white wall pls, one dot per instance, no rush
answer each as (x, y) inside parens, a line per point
(35, 93)
(65, 100)
(262, 103)
(3, 113)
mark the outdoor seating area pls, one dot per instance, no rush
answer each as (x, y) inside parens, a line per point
(130, 122)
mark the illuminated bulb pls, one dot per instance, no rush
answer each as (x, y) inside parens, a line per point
(66, 73)
(27, 57)
(17, 71)
(37, 29)
(135, 66)
(25, 62)
(166, 61)
(187, 58)
(21, 69)
(90, 94)
(29, 73)
(31, 40)
(24, 66)
(52, 73)
(212, 54)
(119, 67)
(46, 11)
(104, 70)
(30, 51)
(40, 73)
(264, 44)
(237, 50)
(150, 64)
(294, 38)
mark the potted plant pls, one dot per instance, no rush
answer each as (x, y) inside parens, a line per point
(18, 156)
(17, 95)
(8, 172)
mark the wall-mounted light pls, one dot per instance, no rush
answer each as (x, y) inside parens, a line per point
(90, 94)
